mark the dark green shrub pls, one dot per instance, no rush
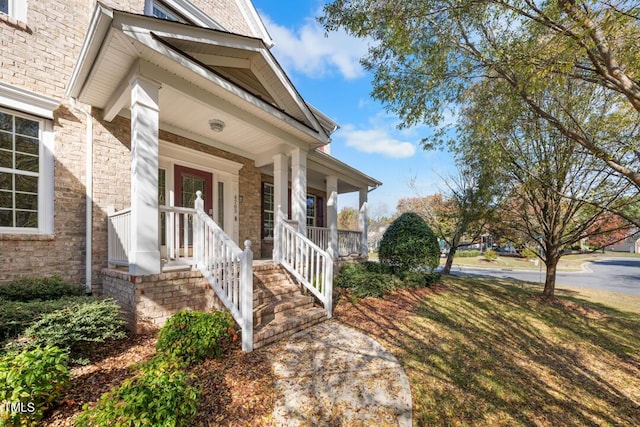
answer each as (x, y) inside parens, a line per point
(419, 279)
(16, 316)
(30, 381)
(364, 283)
(192, 336)
(32, 288)
(76, 326)
(409, 244)
(159, 395)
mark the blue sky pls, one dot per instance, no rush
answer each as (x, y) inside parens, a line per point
(327, 73)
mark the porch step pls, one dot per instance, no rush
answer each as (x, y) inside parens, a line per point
(297, 320)
(281, 307)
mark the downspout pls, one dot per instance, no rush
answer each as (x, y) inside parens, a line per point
(88, 196)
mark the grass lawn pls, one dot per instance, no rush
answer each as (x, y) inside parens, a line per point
(482, 352)
(572, 262)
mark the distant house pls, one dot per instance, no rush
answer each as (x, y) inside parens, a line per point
(151, 148)
(631, 244)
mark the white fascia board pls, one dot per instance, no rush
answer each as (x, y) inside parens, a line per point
(98, 28)
(351, 174)
(26, 101)
(326, 121)
(254, 21)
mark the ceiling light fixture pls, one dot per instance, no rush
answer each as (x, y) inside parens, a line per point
(216, 125)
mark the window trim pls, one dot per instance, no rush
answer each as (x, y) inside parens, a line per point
(17, 10)
(315, 210)
(19, 101)
(265, 210)
(187, 10)
(45, 178)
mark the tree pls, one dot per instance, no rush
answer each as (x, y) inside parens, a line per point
(465, 210)
(608, 230)
(426, 54)
(409, 244)
(348, 219)
(539, 165)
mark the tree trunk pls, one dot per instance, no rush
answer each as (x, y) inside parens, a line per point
(449, 262)
(550, 277)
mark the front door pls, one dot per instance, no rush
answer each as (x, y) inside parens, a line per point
(187, 182)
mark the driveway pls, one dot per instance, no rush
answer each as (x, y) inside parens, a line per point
(614, 274)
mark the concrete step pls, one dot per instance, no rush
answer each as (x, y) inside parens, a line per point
(296, 320)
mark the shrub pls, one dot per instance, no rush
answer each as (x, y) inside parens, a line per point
(365, 283)
(419, 279)
(31, 380)
(409, 244)
(159, 395)
(192, 336)
(468, 254)
(490, 255)
(76, 326)
(16, 316)
(32, 288)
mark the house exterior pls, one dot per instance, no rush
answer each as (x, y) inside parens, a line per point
(153, 134)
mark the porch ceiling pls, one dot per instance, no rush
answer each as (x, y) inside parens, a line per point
(204, 74)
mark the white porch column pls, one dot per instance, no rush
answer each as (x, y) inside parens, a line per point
(332, 215)
(364, 221)
(299, 189)
(281, 183)
(144, 257)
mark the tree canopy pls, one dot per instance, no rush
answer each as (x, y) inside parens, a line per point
(425, 55)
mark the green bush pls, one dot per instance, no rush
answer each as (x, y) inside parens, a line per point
(32, 288)
(419, 279)
(192, 336)
(159, 395)
(490, 255)
(366, 283)
(409, 244)
(468, 254)
(31, 380)
(16, 316)
(76, 326)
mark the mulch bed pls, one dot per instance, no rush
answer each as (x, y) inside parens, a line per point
(237, 389)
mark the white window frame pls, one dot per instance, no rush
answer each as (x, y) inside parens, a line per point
(265, 210)
(186, 10)
(45, 178)
(315, 210)
(18, 10)
(34, 106)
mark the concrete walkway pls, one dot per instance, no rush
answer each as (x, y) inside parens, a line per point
(333, 375)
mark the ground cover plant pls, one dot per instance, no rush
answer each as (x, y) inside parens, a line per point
(486, 352)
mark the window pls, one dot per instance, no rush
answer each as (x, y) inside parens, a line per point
(24, 163)
(311, 210)
(162, 11)
(16, 9)
(267, 211)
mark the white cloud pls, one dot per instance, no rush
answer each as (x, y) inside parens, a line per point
(376, 140)
(306, 50)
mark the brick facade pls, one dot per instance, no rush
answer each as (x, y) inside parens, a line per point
(39, 56)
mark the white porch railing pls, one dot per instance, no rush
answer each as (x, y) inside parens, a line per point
(305, 260)
(227, 268)
(178, 232)
(349, 241)
(191, 235)
(118, 237)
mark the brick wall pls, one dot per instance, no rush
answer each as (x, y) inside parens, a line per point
(147, 302)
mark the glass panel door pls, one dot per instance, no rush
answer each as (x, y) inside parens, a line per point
(187, 182)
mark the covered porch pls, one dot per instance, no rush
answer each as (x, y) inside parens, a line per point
(211, 114)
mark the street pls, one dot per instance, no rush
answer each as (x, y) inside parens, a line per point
(615, 275)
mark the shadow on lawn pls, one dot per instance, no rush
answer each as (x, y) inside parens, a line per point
(485, 354)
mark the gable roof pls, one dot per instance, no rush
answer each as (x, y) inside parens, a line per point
(242, 68)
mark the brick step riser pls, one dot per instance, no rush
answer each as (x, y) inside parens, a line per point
(272, 299)
(260, 319)
(260, 341)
